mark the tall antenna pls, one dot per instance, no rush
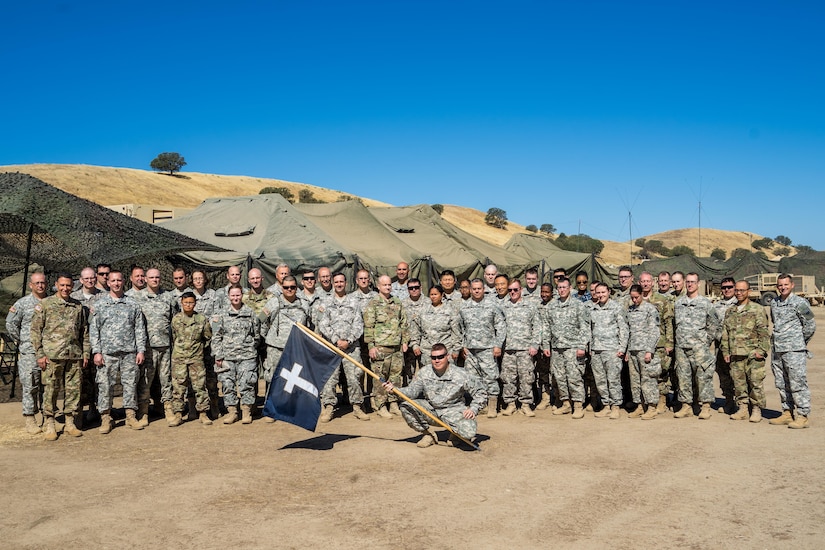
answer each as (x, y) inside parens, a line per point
(630, 230)
(699, 251)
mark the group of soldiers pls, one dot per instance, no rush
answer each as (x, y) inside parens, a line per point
(487, 345)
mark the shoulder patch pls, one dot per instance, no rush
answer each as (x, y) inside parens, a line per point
(13, 309)
(215, 318)
(38, 307)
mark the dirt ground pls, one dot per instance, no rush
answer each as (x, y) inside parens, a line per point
(540, 482)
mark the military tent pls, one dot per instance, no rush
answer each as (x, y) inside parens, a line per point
(709, 269)
(546, 256)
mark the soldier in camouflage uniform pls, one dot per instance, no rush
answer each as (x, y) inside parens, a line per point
(18, 323)
(180, 280)
(414, 303)
(137, 278)
(363, 293)
(310, 296)
(608, 343)
(118, 338)
(567, 334)
(281, 271)
(325, 280)
(233, 277)
(87, 295)
(697, 326)
(191, 334)
(342, 324)
(437, 322)
(793, 328)
(452, 297)
(158, 307)
(622, 295)
(399, 286)
(531, 290)
(664, 302)
(440, 388)
(522, 344)
(256, 297)
(744, 346)
(484, 329)
(206, 302)
(387, 336)
(60, 338)
(645, 368)
(677, 282)
(722, 366)
(236, 334)
(544, 378)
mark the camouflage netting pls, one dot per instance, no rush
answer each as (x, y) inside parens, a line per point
(812, 263)
(709, 269)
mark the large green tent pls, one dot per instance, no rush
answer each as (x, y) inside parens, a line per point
(546, 256)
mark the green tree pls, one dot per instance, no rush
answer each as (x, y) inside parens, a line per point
(783, 240)
(640, 243)
(682, 250)
(532, 228)
(496, 217)
(548, 228)
(168, 162)
(308, 197)
(718, 254)
(579, 243)
(740, 253)
(283, 191)
(438, 208)
(782, 251)
(762, 243)
(804, 249)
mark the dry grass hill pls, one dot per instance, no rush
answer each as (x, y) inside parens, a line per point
(110, 186)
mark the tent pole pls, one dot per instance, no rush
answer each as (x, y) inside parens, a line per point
(28, 257)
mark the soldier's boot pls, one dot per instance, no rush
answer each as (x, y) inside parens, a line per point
(742, 413)
(31, 425)
(175, 420)
(800, 422)
(143, 414)
(268, 419)
(526, 410)
(661, 407)
(70, 427)
(453, 441)
(589, 407)
(394, 410)
(685, 412)
(359, 413)
(784, 419)
(704, 414)
(204, 418)
(730, 405)
(427, 440)
(168, 413)
(106, 423)
(544, 403)
(382, 411)
(615, 412)
(49, 433)
(637, 412)
(756, 414)
(650, 413)
(603, 413)
(131, 420)
(492, 406)
(566, 408)
(231, 415)
(246, 414)
(578, 410)
(326, 414)
(509, 410)
(192, 414)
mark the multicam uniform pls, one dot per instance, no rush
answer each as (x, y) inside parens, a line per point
(386, 329)
(567, 330)
(190, 335)
(664, 303)
(256, 302)
(483, 327)
(696, 328)
(722, 368)
(644, 321)
(793, 328)
(523, 334)
(341, 319)
(18, 323)
(608, 336)
(744, 334)
(277, 318)
(235, 338)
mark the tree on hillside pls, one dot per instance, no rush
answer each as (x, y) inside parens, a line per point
(532, 228)
(496, 217)
(283, 191)
(168, 162)
(547, 228)
(438, 208)
(682, 250)
(740, 253)
(782, 251)
(308, 197)
(579, 243)
(762, 243)
(718, 254)
(783, 240)
(347, 198)
(804, 249)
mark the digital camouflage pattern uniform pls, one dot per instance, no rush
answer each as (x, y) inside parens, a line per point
(793, 328)
(277, 318)
(523, 333)
(664, 303)
(544, 382)
(18, 324)
(483, 327)
(567, 330)
(235, 338)
(608, 336)
(158, 309)
(645, 335)
(341, 319)
(206, 303)
(386, 329)
(443, 397)
(412, 362)
(745, 333)
(722, 368)
(434, 325)
(59, 332)
(697, 326)
(191, 335)
(118, 332)
(400, 290)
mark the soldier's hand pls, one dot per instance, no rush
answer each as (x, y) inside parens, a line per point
(579, 353)
(404, 348)
(417, 352)
(727, 358)
(469, 414)
(533, 352)
(496, 352)
(42, 362)
(85, 362)
(756, 355)
(620, 354)
(388, 386)
(669, 351)
(373, 354)
(342, 344)
(139, 358)
(648, 357)
(99, 359)
(546, 352)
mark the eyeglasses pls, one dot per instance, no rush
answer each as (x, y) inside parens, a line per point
(291, 287)
(625, 276)
(691, 282)
(413, 288)
(727, 287)
(438, 357)
(740, 290)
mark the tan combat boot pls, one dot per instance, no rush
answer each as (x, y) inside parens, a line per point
(651, 412)
(526, 410)
(246, 414)
(661, 407)
(131, 420)
(359, 413)
(231, 415)
(204, 418)
(70, 427)
(578, 410)
(615, 412)
(566, 408)
(106, 423)
(784, 419)
(589, 407)
(175, 420)
(509, 409)
(427, 440)
(49, 433)
(143, 414)
(742, 413)
(756, 414)
(492, 406)
(603, 413)
(544, 403)
(31, 425)
(394, 410)
(637, 412)
(168, 413)
(382, 411)
(326, 413)
(685, 412)
(801, 421)
(704, 414)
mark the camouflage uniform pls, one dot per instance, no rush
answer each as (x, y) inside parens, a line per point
(277, 317)
(697, 326)
(190, 335)
(484, 328)
(18, 324)
(644, 321)
(257, 300)
(623, 297)
(744, 334)
(412, 362)
(443, 397)
(386, 329)
(543, 376)
(586, 297)
(206, 303)
(362, 299)
(158, 309)
(235, 338)
(523, 334)
(664, 304)
(608, 336)
(533, 297)
(567, 330)
(88, 386)
(118, 332)
(340, 319)
(722, 368)
(311, 301)
(434, 325)
(400, 291)
(222, 299)
(59, 332)
(793, 328)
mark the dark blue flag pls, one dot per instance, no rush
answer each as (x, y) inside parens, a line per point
(295, 392)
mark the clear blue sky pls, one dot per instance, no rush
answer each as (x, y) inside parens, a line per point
(570, 113)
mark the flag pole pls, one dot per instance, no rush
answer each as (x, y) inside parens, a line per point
(412, 402)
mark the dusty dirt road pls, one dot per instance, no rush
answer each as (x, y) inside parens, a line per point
(541, 482)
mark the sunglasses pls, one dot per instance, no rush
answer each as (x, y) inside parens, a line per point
(290, 287)
(438, 357)
(727, 287)
(413, 288)
(513, 289)
(307, 278)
